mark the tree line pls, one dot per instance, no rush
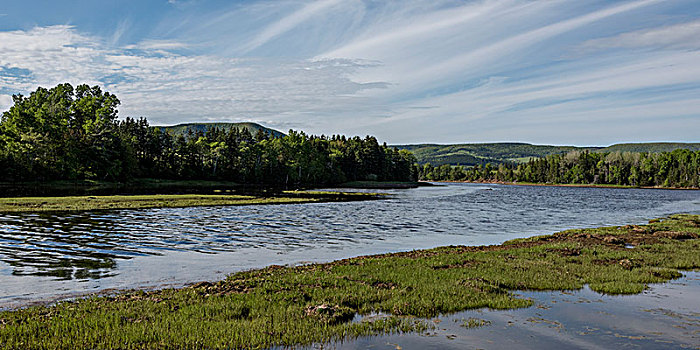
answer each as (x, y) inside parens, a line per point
(679, 168)
(67, 133)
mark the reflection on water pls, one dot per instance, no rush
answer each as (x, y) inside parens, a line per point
(127, 248)
(665, 317)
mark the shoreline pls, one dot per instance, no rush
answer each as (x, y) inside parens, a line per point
(380, 185)
(570, 185)
(315, 303)
(146, 186)
(118, 202)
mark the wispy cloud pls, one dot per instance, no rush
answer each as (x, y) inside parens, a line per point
(289, 22)
(409, 71)
(122, 27)
(588, 104)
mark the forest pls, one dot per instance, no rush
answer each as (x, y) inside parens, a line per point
(679, 168)
(67, 133)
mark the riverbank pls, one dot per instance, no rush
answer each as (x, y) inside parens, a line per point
(82, 203)
(383, 184)
(143, 186)
(147, 186)
(318, 302)
(567, 185)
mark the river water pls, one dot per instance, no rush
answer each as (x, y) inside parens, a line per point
(50, 256)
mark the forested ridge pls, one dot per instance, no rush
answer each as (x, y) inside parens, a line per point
(471, 154)
(679, 168)
(185, 128)
(67, 133)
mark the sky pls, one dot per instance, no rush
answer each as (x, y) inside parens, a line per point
(565, 72)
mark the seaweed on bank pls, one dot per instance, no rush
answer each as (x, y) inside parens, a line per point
(316, 303)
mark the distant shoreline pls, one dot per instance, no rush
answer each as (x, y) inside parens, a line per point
(569, 185)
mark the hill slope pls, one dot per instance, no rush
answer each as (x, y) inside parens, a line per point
(203, 127)
(656, 147)
(496, 153)
(481, 153)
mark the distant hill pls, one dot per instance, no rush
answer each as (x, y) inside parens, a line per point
(183, 129)
(481, 153)
(495, 153)
(656, 147)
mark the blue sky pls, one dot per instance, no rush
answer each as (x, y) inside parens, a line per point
(442, 71)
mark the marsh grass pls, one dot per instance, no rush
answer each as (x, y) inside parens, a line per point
(473, 322)
(287, 306)
(82, 203)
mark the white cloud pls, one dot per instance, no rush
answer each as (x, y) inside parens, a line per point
(409, 71)
(5, 102)
(165, 45)
(170, 88)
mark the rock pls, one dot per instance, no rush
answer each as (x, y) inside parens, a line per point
(202, 285)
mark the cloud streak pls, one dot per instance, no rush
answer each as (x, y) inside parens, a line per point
(414, 71)
(289, 22)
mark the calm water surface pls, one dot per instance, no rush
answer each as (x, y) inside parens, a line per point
(666, 316)
(48, 256)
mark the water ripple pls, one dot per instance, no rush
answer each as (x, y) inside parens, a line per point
(88, 245)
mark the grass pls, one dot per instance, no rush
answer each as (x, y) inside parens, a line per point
(81, 203)
(474, 322)
(287, 306)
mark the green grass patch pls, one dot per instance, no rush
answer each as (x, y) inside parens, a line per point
(287, 306)
(82, 203)
(473, 322)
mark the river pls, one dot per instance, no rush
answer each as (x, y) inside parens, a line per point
(50, 256)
